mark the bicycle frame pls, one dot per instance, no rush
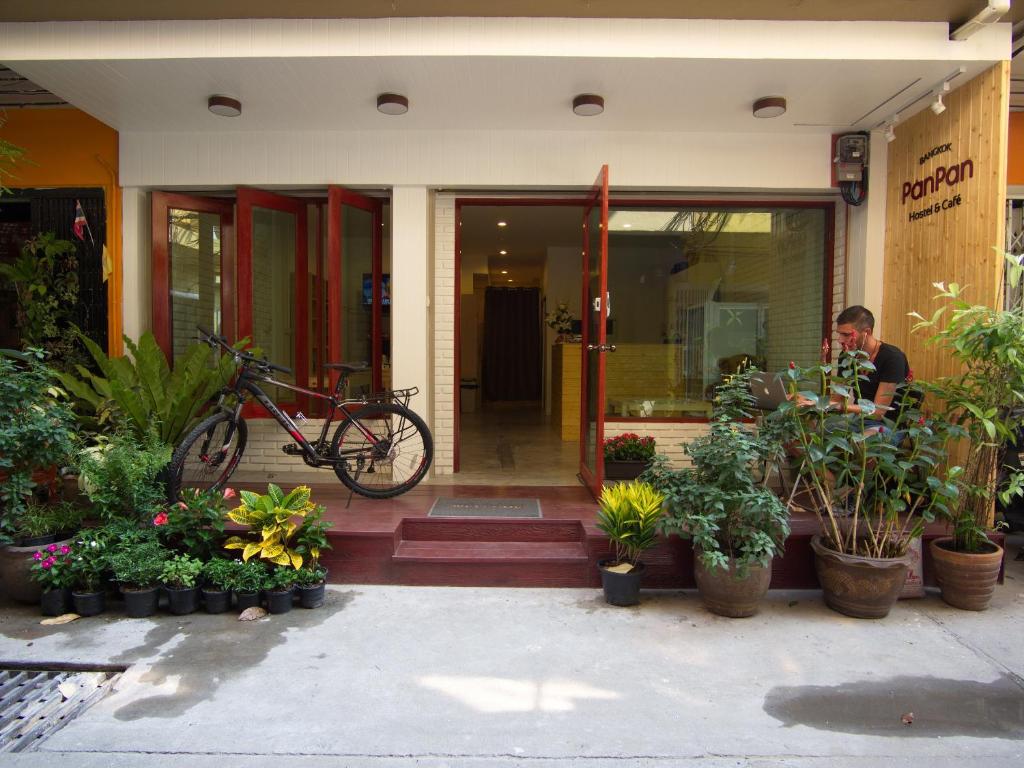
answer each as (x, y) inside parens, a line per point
(312, 453)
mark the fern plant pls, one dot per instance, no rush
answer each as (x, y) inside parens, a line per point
(143, 390)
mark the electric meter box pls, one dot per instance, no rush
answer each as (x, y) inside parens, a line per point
(851, 157)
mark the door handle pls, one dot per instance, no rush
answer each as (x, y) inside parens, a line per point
(601, 347)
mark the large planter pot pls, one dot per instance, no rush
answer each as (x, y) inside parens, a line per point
(624, 470)
(140, 603)
(279, 601)
(967, 579)
(245, 600)
(726, 595)
(55, 602)
(182, 601)
(621, 588)
(861, 587)
(216, 600)
(16, 575)
(89, 603)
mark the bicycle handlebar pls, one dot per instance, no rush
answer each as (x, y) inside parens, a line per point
(244, 357)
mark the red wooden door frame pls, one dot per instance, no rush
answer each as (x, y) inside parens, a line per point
(161, 206)
(248, 199)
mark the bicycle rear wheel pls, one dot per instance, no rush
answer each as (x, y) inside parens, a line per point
(208, 455)
(388, 461)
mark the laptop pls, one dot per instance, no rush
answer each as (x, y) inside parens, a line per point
(768, 389)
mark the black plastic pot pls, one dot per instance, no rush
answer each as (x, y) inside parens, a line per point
(140, 603)
(279, 601)
(89, 603)
(182, 601)
(312, 596)
(245, 600)
(55, 602)
(621, 588)
(216, 600)
(37, 541)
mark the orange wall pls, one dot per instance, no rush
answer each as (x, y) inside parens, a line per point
(1015, 156)
(68, 148)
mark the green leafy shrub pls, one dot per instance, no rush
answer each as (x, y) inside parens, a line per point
(122, 475)
(90, 559)
(281, 579)
(53, 567)
(47, 519)
(250, 576)
(181, 572)
(220, 574)
(309, 577)
(139, 566)
(194, 524)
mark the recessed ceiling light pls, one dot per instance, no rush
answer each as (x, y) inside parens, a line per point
(588, 104)
(627, 226)
(224, 106)
(504, 271)
(770, 106)
(502, 223)
(510, 279)
(392, 104)
(503, 253)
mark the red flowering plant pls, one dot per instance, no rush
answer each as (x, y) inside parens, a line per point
(629, 447)
(51, 567)
(194, 525)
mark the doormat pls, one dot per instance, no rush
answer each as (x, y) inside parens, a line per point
(448, 507)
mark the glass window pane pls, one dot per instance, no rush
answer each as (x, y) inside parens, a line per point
(357, 294)
(194, 248)
(273, 290)
(694, 292)
(385, 316)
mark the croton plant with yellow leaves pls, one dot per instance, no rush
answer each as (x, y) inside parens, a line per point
(284, 529)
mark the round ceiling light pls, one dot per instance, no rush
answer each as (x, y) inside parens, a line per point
(224, 106)
(770, 106)
(588, 104)
(392, 104)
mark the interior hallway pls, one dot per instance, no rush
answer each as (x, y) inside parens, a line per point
(505, 445)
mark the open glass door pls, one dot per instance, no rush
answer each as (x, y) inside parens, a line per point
(273, 301)
(595, 339)
(193, 269)
(358, 295)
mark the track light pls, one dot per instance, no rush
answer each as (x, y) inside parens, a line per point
(990, 14)
(890, 133)
(937, 106)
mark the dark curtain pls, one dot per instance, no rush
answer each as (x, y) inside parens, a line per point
(512, 344)
(53, 210)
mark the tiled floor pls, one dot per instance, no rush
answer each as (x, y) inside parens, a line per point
(505, 445)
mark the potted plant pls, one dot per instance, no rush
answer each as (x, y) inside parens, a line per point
(986, 398)
(180, 577)
(219, 576)
(122, 475)
(36, 525)
(194, 524)
(722, 504)
(310, 542)
(250, 579)
(872, 490)
(90, 561)
(628, 514)
(138, 566)
(560, 320)
(280, 589)
(626, 456)
(52, 570)
(272, 520)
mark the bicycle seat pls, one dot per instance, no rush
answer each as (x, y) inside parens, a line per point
(348, 367)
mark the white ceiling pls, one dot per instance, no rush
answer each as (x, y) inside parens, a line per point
(493, 93)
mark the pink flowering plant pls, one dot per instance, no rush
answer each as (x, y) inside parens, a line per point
(629, 447)
(194, 525)
(52, 567)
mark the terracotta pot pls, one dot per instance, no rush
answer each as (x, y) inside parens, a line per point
(726, 595)
(621, 588)
(967, 579)
(861, 587)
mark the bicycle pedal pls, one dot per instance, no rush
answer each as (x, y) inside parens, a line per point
(292, 449)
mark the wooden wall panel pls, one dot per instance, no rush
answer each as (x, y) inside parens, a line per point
(954, 242)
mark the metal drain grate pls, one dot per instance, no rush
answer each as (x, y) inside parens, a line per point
(36, 702)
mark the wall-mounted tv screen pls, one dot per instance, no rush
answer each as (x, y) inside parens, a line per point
(385, 290)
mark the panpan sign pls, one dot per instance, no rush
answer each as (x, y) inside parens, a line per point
(944, 180)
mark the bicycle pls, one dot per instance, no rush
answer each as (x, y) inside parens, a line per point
(381, 447)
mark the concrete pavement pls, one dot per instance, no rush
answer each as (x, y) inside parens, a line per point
(417, 676)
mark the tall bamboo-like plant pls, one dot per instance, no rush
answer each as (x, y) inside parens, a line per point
(986, 398)
(143, 390)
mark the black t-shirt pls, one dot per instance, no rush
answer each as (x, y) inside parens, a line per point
(891, 367)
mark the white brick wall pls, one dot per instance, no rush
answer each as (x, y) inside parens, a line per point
(443, 304)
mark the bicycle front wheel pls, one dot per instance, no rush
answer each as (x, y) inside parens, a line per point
(208, 455)
(382, 450)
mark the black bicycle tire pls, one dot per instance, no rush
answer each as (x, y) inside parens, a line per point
(175, 468)
(412, 482)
